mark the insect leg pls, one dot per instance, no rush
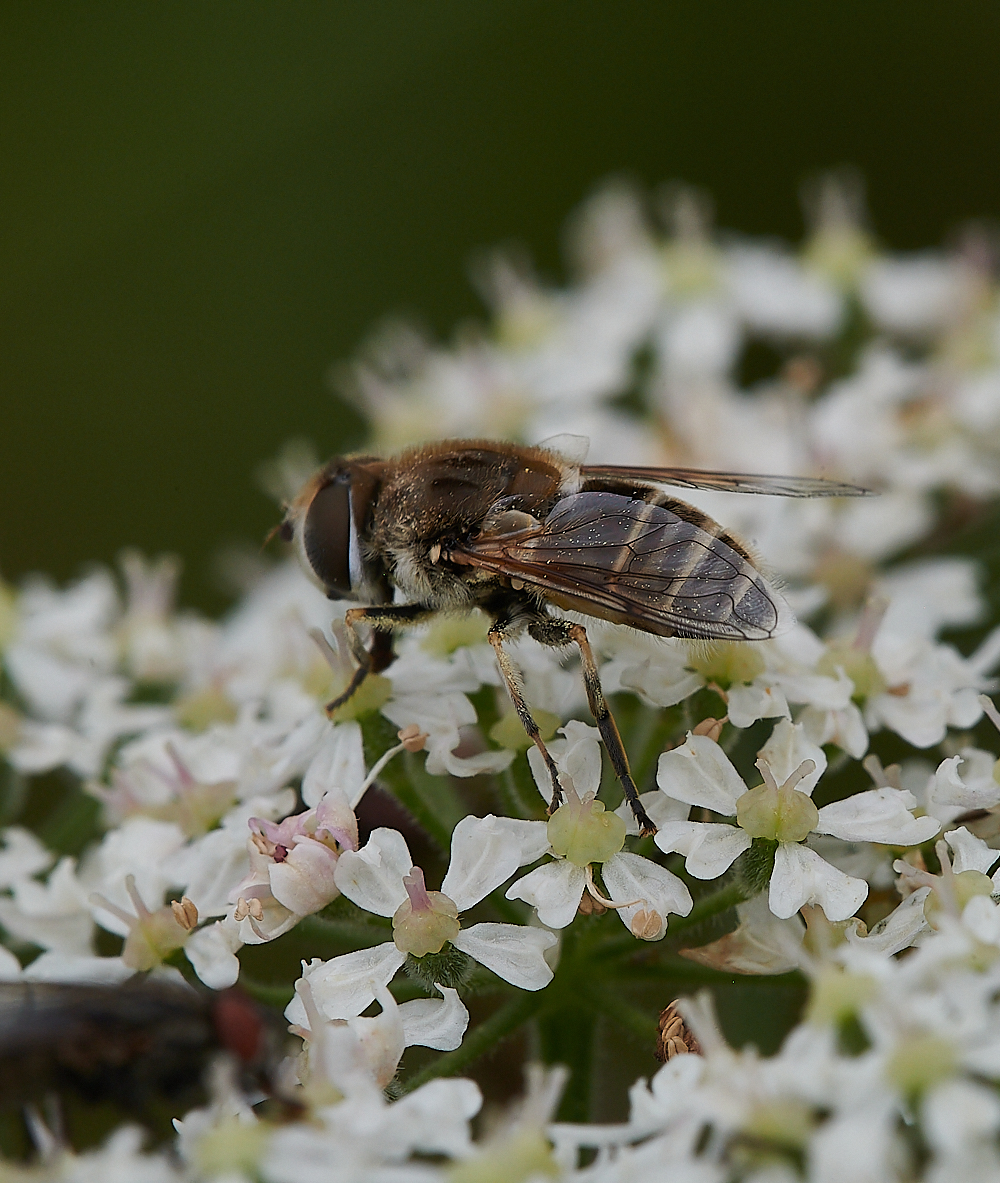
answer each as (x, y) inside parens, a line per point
(609, 728)
(512, 680)
(383, 620)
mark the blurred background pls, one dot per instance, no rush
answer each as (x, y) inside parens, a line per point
(208, 206)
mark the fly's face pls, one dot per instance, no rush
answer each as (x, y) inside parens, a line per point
(325, 523)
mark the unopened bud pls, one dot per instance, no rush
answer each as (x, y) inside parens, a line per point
(185, 913)
(583, 832)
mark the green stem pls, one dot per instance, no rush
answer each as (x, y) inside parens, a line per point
(523, 1006)
(566, 1036)
(513, 802)
(341, 932)
(276, 996)
(708, 906)
(657, 728)
(687, 972)
(406, 780)
(610, 1002)
(509, 910)
(704, 909)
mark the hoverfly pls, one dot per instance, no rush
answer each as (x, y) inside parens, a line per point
(513, 530)
(142, 1046)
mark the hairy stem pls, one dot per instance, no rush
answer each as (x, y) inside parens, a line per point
(503, 1022)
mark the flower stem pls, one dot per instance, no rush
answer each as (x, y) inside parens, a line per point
(609, 1001)
(342, 932)
(500, 1024)
(566, 1036)
(708, 906)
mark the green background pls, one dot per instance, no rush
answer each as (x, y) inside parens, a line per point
(206, 205)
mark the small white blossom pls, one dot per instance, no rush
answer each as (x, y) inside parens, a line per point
(700, 774)
(485, 852)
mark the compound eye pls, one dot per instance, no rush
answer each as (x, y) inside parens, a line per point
(326, 536)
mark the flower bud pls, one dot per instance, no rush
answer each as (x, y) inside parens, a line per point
(427, 920)
(583, 832)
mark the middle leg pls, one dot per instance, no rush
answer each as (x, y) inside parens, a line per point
(561, 632)
(512, 680)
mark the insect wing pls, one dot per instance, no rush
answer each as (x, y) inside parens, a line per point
(726, 482)
(107, 1042)
(637, 562)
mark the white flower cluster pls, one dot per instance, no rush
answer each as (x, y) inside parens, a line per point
(233, 811)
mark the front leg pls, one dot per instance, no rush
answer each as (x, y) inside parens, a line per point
(383, 620)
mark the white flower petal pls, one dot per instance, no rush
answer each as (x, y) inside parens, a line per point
(344, 986)
(578, 756)
(957, 1113)
(486, 851)
(554, 889)
(749, 703)
(212, 951)
(372, 877)
(699, 773)
(899, 929)
(981, 917)
(877, 815)
(22, 856)
(761, 944)
(787, 747)
(581, 757)
(660, 808)
(432, 1120)
(709, 848)
(974, 788)
(845, 728)
(338, 764)
(380, 1038)
(439, 1023)
(800, 877)
(969, 853)
(632, 877)
(65, 967)
(513, 951)
(305, 881)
